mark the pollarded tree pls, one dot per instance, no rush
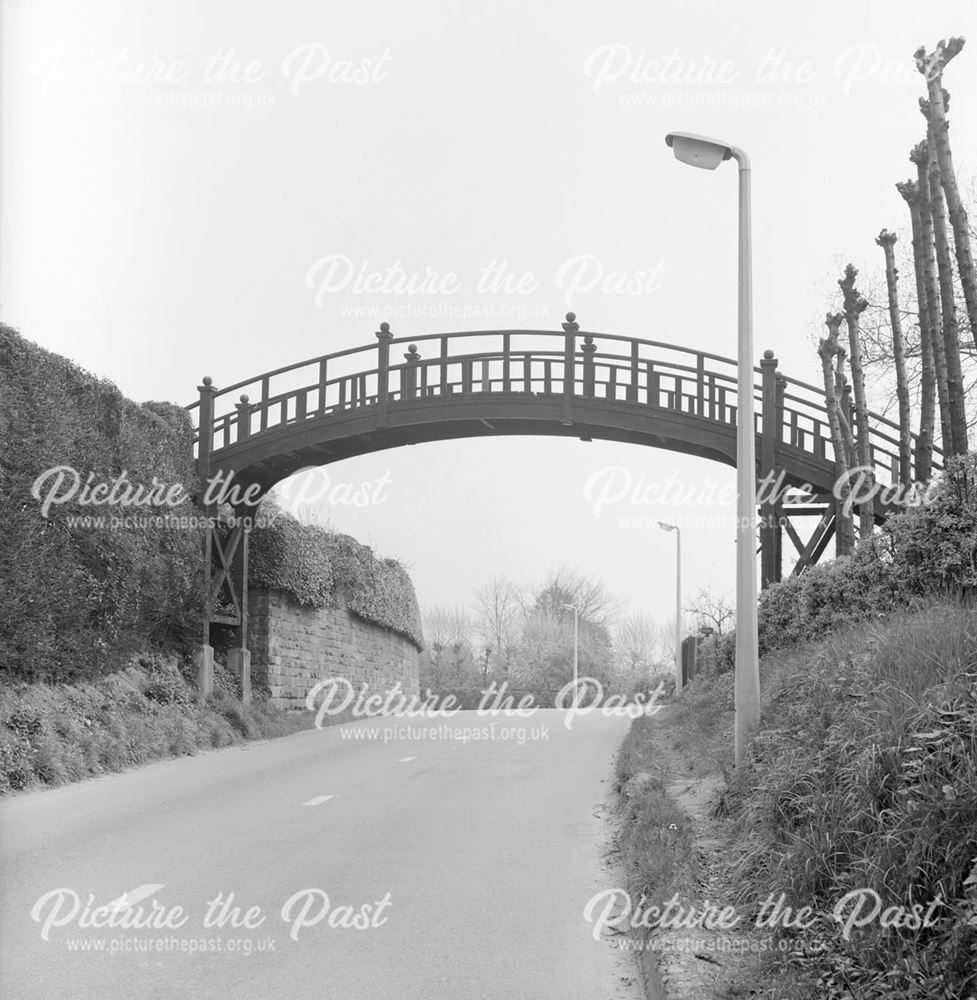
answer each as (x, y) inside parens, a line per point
(948, 307)
(844, 409)
(931, 65)
(927, 390)
(887, 241)
(854, 306)
(828, 350)
(919, 155)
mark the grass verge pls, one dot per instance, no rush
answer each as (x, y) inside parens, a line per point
(861, 785)
(55, 734)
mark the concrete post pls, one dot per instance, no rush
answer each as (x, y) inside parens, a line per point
(204, 660)
(239, 663)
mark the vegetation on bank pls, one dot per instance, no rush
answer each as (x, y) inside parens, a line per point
(78, 599)
(863, 776)
(98, 618)
(52, 734)
(322, 569)
(928, 549)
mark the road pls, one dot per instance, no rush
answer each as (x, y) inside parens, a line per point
(467, 863)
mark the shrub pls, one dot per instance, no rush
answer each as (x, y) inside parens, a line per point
(933, 545)
(716, 654)
(167, 686)
(827, 597)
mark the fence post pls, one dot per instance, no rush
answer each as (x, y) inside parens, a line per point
(384, 336)
(570, 328)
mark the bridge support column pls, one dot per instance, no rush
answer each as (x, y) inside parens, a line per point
(820, 505)
(225, 554)
(204, 655)
(771, 422)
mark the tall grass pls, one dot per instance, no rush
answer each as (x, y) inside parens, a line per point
(864, 776)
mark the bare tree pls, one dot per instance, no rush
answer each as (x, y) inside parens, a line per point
(828, 349)
(854, 306)
(593, 601)
(844, 408)
(638, 645)
(499, 610)
(449, 654)
(927, 392)
(920, 156)
(931, 65)
(715, 611)
(948, 307)
(887, 241)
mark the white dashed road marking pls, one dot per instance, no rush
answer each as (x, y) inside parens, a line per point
(403, 760)
(318, 800)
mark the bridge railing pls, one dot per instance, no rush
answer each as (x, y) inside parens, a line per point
(572, 364)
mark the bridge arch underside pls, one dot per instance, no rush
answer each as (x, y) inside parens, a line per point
(280, 452)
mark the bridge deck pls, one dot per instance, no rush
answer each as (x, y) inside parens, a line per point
(573, 383)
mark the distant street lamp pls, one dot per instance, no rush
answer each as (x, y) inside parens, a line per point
(699, 151)
(576, 642)
(665, 526)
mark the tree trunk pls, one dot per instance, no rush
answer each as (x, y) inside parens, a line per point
(843, 395)
(931, 66)
(948, 307)
(927, 391)
(855, 305)
(887, 241)
(919, 156)
(828, 349)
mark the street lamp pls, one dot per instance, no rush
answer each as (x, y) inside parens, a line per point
(576, 642)
(665, 526)
(699, 151)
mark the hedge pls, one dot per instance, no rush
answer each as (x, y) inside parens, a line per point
(75, 599)
(320, 569)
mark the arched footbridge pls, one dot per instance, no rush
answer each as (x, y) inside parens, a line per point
(404, 391)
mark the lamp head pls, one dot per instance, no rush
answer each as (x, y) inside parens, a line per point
(665, 526)
(698, 150)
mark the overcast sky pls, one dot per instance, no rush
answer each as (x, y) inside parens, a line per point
(176, 177)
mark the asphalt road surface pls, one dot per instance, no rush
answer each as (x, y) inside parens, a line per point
(323, 865)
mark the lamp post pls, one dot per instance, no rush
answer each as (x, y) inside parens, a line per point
(665, 526)
(699, 151)
(576, 642)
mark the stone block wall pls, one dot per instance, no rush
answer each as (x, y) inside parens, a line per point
(293, 647)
